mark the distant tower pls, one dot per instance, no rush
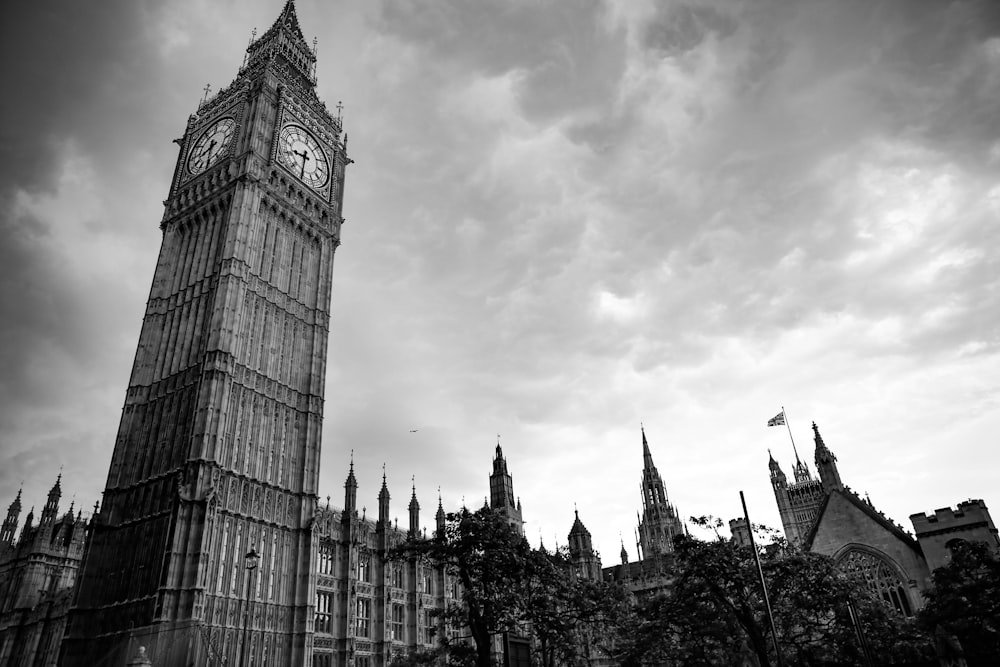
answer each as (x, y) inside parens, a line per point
(502, 493)
(740, 531)
(581, 551)
(218, 448)
(937, 533)
(659, 522)
(826, 463)
(799, 502)
(9, 530)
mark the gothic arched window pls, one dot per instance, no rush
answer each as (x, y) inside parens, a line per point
(879, 576)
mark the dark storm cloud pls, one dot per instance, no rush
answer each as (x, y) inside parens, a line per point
(59, 60)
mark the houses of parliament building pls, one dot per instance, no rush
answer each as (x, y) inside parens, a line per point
(210, 545)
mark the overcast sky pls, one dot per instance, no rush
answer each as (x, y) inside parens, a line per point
(564, 219)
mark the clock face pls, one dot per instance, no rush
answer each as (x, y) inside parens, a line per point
(302, 155)
(211, 145)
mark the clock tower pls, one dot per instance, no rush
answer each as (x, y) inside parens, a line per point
(216, 461)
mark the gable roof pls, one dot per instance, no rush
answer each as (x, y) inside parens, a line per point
(854, 500)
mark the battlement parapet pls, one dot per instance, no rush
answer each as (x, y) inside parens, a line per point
(968, 514)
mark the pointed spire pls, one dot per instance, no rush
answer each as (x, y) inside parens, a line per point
(28, 521)
(351, 491)
(284, 40)
(16, 505)
(826, 463)
(383, 502)
(51, 509)
(439, 516)
(624, 552)
(9, 529)
(647, 457)
(414, 508)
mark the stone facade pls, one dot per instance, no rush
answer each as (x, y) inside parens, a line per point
(218, 449)
(825, 516)
(659, 523)
(370, 608)
(37, 574)
(863, 540)
(971, 521)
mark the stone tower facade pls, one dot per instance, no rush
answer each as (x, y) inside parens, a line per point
(502, 492)
(37, 574)
(218, 450)
(970, 521)
(581, 551)
(799, 502)
(660, 521)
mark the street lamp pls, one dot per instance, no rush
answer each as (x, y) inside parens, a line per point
(250, 563)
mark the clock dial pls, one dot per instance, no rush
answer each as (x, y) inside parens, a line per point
(301, 153)
(211, 145)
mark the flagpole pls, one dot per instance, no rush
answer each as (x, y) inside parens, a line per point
(760, 573)
(789, 427)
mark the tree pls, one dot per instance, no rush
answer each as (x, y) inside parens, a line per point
(506, 586)
(964, 600)
(714, 612)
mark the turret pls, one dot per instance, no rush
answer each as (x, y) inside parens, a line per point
(27, 523)
(778, 477)
(383, 503)
(624, 554)
(351, 492)
(51, 510)
(414, 508)
(439, 517)
(660, 522)
(9, 529)
(581, 550)
(826, 464)
(502, 493)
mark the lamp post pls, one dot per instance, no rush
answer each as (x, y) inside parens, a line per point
(250, 563)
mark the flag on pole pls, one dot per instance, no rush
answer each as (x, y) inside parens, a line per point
(777, 420)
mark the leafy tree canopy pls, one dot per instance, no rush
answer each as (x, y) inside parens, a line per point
(964, 601)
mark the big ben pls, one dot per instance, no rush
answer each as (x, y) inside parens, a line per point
(201, 550)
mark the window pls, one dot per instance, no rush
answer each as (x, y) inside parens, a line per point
(325, 558)
(364, 568)
(362, 661)
(324, 619)
(397, 576)
(428, 582)
(880, 578)
(364, 617)
(428, 629)
(396, 626)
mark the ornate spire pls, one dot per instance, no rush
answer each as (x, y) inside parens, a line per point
(351, 491)
(439, 516)
(284, 40)
(826, 463)
(51, 509)
(414, 508)
(9, 529)
(647, 457)
(383, 502)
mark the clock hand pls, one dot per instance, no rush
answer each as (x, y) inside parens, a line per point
(305, 156)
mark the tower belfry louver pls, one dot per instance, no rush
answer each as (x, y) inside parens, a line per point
(218, 449)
